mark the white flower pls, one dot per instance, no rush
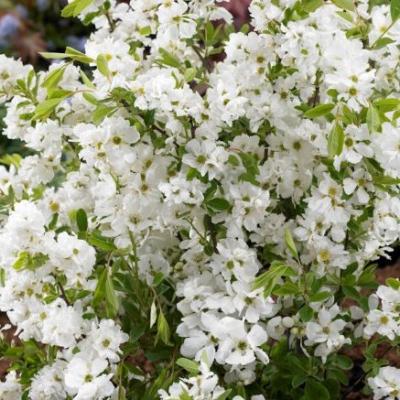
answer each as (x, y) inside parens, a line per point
(385, 385)
(326, 333)
(85, 379)
(106, 339)
(48, 383)
(382, 322)
(236, 345)
(386, 146)
(11, 389)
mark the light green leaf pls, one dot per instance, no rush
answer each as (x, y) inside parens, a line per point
(90, 98)
(189, 365)
(101, 112)
(11, 159)
(190, 74)
(395, 9)
(169, 59)
(101, 242)
(145, 31)
(393, 283)
(45, 108)
(382, 42)
(86, 80)
(290, 243)
(385, 180)
(319, 110)
(345, 4)
(373, 119)
(224, 395)
(311, 5)
(78, 56)
(50, 55)
(74, 8)
(29, 261)
(268, 279)
(335, 141)
(111, 296)
(163, 329)
(102, 65)
(54, 77)
(388, 104)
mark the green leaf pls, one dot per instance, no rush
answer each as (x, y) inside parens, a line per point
(111, 296)
(22, 261)
(382, 42)
(395, 9)
(163, 329)
(335, 141)
(343, 362)
(288, 288)
(368, 277)
(321, 296)
(385, 180)
(86, 80)
(145, 31)
(290, 243)
(233, 160)
(190, 74)
(345, 4)
(373, 119)
(29, 261)
(81, 220)
(2, 277)
(74, 8)
(224, 395)
(315, 390)
(298, 380)
(319, 110)
(352, 293)
(250, 162)
(78, 56)
(11, 159)
(169, 59)
(388, 104)
(52, 56)
(45, 108)
(346, 16)
(101, 112)
(306, 313)
(54, 77)
(189, 365)
(102, 65)
(268, 279)
(311, 5)
(102, 243)
(218, 204)
(99, 293)
(90, 98)
(185, 396)
(393, 283)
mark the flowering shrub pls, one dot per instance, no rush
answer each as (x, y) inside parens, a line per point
(198, 215)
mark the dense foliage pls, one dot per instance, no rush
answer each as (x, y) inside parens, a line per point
(198, 209)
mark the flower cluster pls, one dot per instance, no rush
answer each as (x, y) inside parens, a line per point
(195, 190)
